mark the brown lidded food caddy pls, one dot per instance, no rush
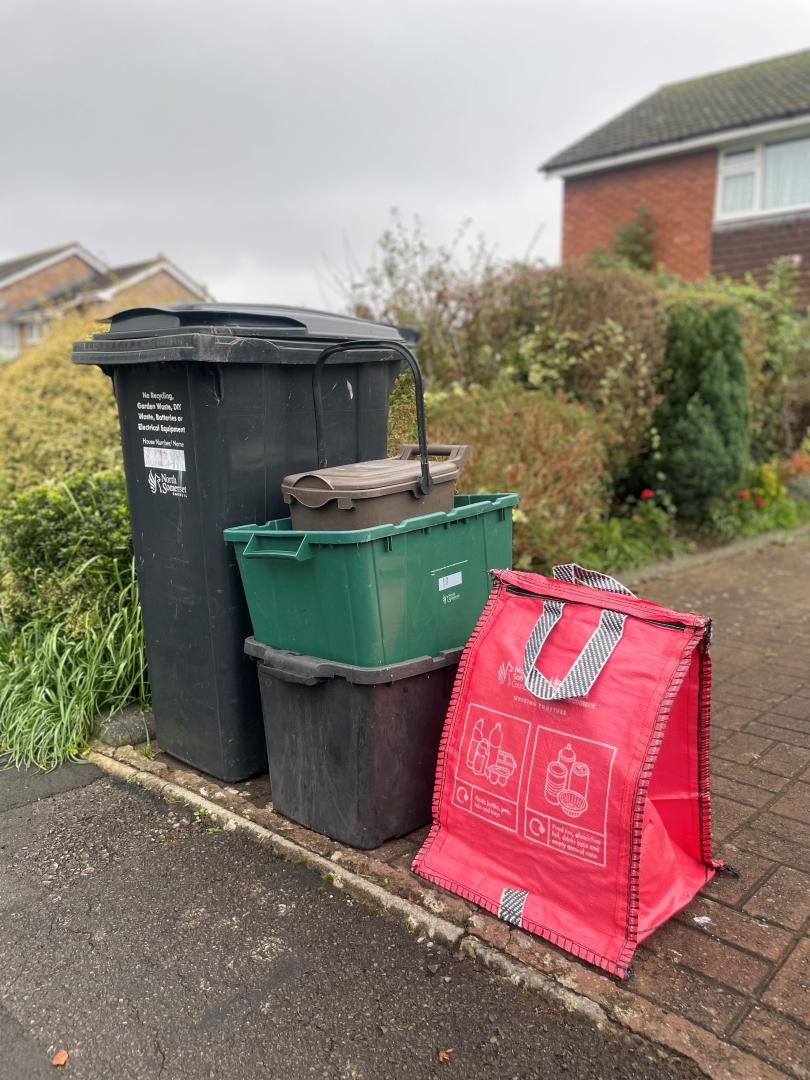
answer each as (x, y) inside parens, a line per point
(371, 493)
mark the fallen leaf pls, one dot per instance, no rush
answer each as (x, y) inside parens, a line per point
(444, 1055)
(60, 1058)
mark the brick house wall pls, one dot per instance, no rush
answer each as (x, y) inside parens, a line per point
(36, 286)
(679, 193)
(750, 247)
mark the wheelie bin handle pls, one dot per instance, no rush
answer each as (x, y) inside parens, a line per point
(426, 481)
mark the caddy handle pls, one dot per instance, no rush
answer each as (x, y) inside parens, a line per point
(426, 482)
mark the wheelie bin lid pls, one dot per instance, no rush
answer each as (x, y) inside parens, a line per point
(240, 333)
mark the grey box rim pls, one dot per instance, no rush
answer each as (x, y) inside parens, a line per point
(308, 670)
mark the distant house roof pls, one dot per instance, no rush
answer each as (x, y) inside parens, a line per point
(23, 262)
(741, 97)
(103, 285)
(128, 270)
(23, 265)
(111, 277)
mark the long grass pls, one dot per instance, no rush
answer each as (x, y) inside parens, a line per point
(55, 681)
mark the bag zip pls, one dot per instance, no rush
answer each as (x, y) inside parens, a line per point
(517, 591)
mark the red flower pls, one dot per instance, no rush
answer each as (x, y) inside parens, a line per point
(647, 493)
(745, 494)
(759, 502)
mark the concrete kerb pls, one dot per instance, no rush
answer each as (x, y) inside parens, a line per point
(683, 563)
(564, 983)
(411, 914)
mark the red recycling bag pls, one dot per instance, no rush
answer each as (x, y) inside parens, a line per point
(572, 790)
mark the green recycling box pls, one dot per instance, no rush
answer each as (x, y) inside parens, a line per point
(380, 595)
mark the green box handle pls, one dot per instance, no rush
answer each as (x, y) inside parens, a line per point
(262, 546)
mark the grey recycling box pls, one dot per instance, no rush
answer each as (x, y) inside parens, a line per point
(216, 408)
(353, 749)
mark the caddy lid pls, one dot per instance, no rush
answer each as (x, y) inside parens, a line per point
(372, 479)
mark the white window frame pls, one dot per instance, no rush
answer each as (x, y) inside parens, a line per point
(757, 167)
(6, 354)
(35, 332)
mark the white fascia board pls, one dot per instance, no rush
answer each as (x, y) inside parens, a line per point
(184, 279)
(717, 138)
(149, 271)
(52, 260)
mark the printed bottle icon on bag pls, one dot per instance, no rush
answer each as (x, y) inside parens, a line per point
(475, 741)
(567, 782)
(486, 756)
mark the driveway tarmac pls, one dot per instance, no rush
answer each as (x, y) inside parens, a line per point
(148, 943)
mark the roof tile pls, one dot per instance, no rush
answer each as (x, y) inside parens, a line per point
(22, 262)
(752, 94)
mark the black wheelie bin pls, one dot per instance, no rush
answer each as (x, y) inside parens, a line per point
(215, 406)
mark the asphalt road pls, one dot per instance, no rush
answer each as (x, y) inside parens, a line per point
(147, 944)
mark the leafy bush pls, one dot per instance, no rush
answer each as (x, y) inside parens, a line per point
(702, 423)
(776, 347)
(443, 290)
(71, 639)
(473, 313)
(547, 450)
(56, 417)
(796, 411)
(762, 506)
(61, 545)
(644, 531)
(603, 368)
(634, 240)
(795, 471)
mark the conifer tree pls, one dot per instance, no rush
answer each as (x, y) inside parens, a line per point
(703, 421)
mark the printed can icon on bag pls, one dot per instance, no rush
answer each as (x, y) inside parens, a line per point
(578, 780)
(556, 780)
(574, 800)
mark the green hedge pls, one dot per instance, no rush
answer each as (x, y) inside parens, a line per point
(57, 418)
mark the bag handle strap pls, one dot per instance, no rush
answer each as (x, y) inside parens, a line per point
(587, 667)
(575, 574)
(590, 663)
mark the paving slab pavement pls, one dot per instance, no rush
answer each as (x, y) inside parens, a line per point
(726, 981)
(149, 942)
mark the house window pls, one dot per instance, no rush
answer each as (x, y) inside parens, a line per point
(9, 340)
(738, 181)
(35, 332)
(764, 179)
(786, 174)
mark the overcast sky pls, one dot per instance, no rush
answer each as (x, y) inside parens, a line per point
(261, 143)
